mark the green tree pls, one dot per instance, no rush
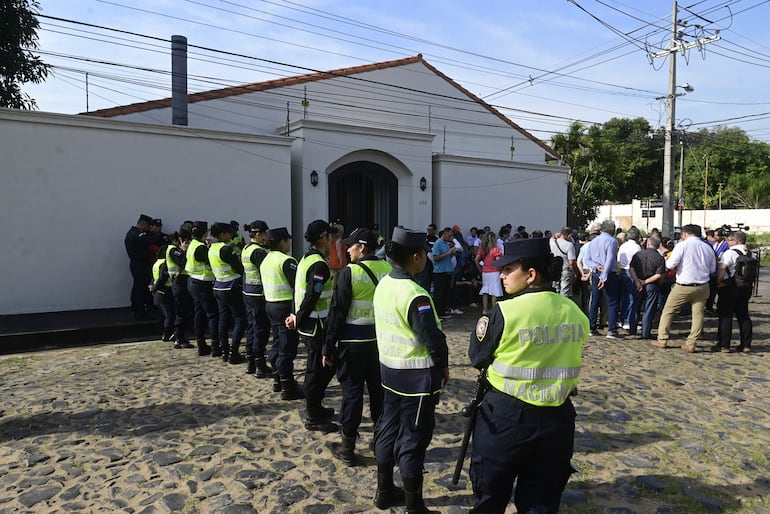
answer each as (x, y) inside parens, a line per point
(593, 170)
(725, 165)
(639, 159)
(18, 63)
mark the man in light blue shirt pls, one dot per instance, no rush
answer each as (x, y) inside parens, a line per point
(602, 258)
(443, 250)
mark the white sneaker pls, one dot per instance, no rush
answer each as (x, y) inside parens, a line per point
(626, 326)
(456, 312)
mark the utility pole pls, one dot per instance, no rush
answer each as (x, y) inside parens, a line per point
(675, 45)
(680, 204)
(668, 168)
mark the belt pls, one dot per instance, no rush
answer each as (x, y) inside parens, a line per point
(691, 285)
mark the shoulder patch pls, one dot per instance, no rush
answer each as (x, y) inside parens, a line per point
(481, 327)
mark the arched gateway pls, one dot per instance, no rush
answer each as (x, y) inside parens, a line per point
(363, 193)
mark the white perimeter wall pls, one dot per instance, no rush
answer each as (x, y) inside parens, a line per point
(477, 192)
(625, 215)
(72, 186)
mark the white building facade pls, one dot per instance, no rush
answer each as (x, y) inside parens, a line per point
(392, 143)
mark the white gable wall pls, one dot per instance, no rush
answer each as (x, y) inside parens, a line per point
(409, 98)
(73, 186)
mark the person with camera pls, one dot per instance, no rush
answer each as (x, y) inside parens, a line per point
(733, 297)
(531, 348)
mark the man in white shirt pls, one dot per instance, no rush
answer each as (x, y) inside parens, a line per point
(629, 295)
(694, 260)
(561, 246)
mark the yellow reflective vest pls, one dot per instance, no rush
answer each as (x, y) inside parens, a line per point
(274, 282)
(539, 356)
(252, 280)
(197, 269)
(321, 307)
(173, 269)
(156, 273)
(222, 270)
(359, 323)
(397, 342)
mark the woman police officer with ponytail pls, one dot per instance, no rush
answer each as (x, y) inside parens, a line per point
(531, 348)
(414, 364)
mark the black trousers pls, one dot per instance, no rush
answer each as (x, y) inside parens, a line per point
(442, 282)
(141, 297)
(734, 301)
(400, 437)
(257, 325)
(183, 303)
(164, 301)
(285, 344)
(514, 440)
(358, 368)
(205, 308)
(317, 376)
(232, 312)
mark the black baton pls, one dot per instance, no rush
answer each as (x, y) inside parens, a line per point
(470, 411)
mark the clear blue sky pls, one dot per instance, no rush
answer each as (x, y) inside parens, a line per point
(543, 63)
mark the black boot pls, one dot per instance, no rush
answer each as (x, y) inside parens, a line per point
(203, 348)
(263, 370)
(235, 355)
(251, 364)
(387, 495)
(168, 335)
(345, 451)
(216, 350)
(225, 351)
(290, 390)
(276, 382)
(413, 496)
(182, 343)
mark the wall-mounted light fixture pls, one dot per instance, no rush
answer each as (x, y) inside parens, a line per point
(314, 178)
(423, 184)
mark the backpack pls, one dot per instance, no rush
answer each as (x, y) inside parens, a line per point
(746, 270)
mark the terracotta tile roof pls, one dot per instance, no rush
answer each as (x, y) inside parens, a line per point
(309, 77)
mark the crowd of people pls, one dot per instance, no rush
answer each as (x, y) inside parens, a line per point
(370, 312)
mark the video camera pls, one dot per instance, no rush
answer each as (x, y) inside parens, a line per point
(725, 229)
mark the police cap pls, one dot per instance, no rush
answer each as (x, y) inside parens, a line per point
(319, 229)
(257, 226)
(202, 226)
(523, 248)
(278, 234)
(409, 238)
(363, 236)
(145, 218)
(219, 227)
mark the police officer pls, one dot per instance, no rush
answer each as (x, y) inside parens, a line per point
(278, 272)
(258, 324)
(137, 244)
(237, 242)
(413, 363)
(531, 347)
(312, 292)
(183, 303)
(201, 288)
(351, 324)
(161, 293)
(228, 291)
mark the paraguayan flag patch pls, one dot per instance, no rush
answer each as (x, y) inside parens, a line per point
(423, 308)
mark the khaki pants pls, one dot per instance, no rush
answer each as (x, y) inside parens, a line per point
(680, 295)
